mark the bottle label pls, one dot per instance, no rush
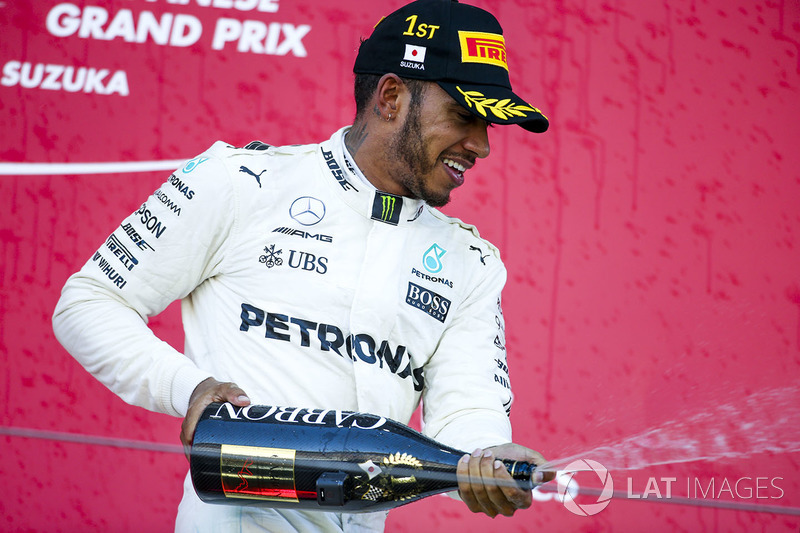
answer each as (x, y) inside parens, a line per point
(254, 472)
(297, 415)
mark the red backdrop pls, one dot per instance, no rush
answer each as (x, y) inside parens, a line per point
(652, 238)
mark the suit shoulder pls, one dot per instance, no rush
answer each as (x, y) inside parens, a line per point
(223, 150)
(255, 156)
(462, 231)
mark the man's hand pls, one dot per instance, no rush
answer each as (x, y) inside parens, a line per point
(486, 486)
(207, 392)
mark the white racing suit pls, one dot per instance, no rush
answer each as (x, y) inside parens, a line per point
(308, 288)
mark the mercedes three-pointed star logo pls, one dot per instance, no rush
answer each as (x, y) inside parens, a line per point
(307, 210)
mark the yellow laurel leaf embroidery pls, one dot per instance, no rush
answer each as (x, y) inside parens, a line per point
(502, 109)
(499, 112)
(518, 110)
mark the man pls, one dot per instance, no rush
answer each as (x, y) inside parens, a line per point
(321, 275)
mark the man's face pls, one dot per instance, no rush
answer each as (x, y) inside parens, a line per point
(437, 143)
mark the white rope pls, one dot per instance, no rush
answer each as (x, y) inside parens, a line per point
(65, 169)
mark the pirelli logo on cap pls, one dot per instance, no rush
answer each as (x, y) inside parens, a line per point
(480, 47)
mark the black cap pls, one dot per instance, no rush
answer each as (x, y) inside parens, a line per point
(460, 47)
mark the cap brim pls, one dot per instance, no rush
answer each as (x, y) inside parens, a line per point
(497, 105)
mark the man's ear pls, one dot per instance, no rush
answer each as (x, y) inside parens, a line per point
(391, 95)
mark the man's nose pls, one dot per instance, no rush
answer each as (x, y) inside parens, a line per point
(478, 140)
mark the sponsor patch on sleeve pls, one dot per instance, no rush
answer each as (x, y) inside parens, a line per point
(427, 301)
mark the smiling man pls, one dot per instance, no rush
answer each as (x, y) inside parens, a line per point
(322, 275)
(438, 70)
(429, 139)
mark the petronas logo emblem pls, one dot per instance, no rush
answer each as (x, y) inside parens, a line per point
(432, 259)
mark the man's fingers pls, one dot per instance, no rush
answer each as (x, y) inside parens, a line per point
(487, 487)
(480, 469)
(187, 434)
(541, 476)
(235, 395)
(464, 486)
(536, 458)
(207, 392)
(496, 500)
(514, 496)
(470, 484)
(504, 492)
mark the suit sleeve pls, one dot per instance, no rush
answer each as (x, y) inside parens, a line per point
(158, 254)
(468, 395)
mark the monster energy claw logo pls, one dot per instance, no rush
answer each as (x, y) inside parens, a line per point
(387, 207)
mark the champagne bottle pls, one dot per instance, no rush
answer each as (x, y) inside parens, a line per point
(320, 459)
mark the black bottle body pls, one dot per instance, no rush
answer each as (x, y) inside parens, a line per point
(318, 459)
